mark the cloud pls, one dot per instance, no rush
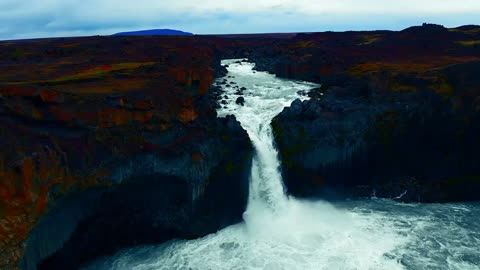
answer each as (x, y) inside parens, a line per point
(42, 18)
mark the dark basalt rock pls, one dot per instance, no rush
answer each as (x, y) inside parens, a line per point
(180, 194)
(240, 101)
(407, 146)
(302, 93)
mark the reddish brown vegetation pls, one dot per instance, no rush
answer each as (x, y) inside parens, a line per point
(397, 61)
(24, 190)
(95, 89)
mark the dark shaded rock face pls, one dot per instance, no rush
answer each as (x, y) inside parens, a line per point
(359, 139)
(178, 195)
(185, 193)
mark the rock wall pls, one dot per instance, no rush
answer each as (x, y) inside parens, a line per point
(160, 196)
(109, 142)
(415, 148)
(360, 139)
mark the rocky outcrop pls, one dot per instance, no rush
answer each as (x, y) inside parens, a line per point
(361, 139)
(240, 101)
(187, 192)
(113, 142)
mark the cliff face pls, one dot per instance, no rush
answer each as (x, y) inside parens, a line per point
(413, 144)
(110, 142)
(397, 114)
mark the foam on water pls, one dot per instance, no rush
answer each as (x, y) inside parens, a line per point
(279, 232)
(265, 97)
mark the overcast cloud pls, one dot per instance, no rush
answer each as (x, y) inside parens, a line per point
(44, 18)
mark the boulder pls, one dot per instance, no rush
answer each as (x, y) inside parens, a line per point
(240, 101)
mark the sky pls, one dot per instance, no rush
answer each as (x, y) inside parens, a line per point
(54, 18)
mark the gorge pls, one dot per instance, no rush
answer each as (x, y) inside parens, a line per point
(282, 232)
(355, 150)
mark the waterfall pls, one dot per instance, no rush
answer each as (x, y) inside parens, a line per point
(265, 97)
(284, 233)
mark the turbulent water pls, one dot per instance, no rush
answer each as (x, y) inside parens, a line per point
(280, 232)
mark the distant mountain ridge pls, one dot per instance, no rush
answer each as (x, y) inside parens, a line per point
(154, 32)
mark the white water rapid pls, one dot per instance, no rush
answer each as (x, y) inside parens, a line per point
(283, 233)
(265, 97)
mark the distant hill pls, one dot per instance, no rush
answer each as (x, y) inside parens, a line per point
(154, 32)
(426, 27)
(468, 27)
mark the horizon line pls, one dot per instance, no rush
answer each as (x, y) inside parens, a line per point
(223, 34)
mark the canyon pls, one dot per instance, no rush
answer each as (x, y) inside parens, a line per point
(114, 142)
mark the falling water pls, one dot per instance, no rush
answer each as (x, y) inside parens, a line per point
(265, 97)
